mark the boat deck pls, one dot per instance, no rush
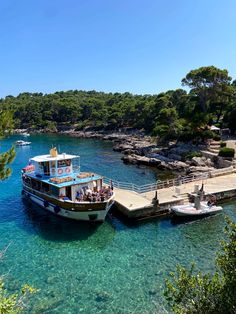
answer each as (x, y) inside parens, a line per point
(67, 180)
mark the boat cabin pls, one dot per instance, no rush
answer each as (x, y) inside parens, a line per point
(55, 164)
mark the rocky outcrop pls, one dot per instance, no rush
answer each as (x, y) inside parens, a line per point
(140, 150)
(140, 160)
(201, 162)
(198, 169)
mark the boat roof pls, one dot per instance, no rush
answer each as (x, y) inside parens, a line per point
(42, 158)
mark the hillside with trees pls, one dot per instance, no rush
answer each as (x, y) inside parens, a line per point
(175, 114)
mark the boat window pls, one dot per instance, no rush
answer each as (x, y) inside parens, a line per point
(64, 163)
(45, 187)
(36, 185)
(55, 190)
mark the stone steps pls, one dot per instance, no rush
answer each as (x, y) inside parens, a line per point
(185, 198)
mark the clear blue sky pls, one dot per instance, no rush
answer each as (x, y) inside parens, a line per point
(139, 46)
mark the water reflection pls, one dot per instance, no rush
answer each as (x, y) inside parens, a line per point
(57, 229)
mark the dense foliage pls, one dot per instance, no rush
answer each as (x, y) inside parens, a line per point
(14, 303)
(192, 292)
(169, 115)
(226, 152)
(6, 125)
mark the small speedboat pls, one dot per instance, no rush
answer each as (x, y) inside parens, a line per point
(22, 143)
(191, 211)
(25, 134)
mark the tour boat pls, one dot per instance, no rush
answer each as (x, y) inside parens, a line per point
(190, 210)
(22, 143)
(54, 182)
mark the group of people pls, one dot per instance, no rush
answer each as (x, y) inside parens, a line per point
(94, 196)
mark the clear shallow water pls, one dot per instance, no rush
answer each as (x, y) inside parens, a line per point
(109, 268)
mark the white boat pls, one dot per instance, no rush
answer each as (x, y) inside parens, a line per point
(25, 134)
(55, 183)
(191, 211)
(22, 143)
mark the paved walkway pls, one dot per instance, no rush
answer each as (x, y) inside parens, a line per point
(211, 185)
(133, 201)
(231, 144)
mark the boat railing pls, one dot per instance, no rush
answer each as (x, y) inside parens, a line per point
(155, 185)
(76, 168)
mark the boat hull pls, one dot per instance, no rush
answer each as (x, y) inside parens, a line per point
(189, 211)
(93, 212)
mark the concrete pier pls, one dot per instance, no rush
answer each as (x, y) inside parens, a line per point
(138, 205)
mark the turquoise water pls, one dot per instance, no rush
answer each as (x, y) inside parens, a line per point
(108, 268)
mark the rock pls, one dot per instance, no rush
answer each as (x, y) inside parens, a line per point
(175, 156)
(160, 157)
(199, 169)
(136, 159)
(198, 161)
(122, 147)
(102, 296)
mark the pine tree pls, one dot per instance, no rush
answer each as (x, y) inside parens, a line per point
(6, 126)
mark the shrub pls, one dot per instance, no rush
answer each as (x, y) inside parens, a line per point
(193, 154)
(226, 152)
(216, 137)
(191, 291)
(222, 144)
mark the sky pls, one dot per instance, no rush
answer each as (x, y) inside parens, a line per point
(136, 46)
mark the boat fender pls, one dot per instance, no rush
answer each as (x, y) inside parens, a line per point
(45, 204)
(57, 209)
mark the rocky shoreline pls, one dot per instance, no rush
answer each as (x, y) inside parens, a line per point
(139, 149)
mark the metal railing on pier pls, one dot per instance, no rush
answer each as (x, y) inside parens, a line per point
(157, 185)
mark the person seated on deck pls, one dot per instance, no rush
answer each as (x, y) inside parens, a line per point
(109, 192)
(79, 195)
(94, 197)
(212, 201)
(89, 197)
(88, 191)
(102, 197)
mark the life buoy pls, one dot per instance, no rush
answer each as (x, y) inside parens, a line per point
(67, 170)
(60, 171)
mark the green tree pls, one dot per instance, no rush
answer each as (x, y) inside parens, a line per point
(14, 303)
(210, 88)
(6, 125)
(192, 292)
(6, 122)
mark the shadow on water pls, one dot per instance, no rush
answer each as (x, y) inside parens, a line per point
(58, 229)
(190, 220)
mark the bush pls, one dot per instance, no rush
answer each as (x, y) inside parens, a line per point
(190, 291)
(222, 144)
(216, 137)
(226, 152)
(193, 154)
